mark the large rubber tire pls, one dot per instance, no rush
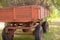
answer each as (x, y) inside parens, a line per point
(5, 36)
(38, 33)
(45, 26)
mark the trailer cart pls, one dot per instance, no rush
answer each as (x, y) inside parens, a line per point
(24, 18)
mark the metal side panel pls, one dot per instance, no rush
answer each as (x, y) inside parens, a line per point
(6, 15)
(23, 14)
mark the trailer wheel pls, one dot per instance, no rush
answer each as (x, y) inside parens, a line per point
(38, 33)
(45, 27)
(5, 35)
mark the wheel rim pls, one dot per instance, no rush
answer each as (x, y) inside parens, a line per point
(10, 33)
(6, 36)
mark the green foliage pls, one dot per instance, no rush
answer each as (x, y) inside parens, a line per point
(50, 3)
(52, 15)
(56, 3)
(58, 14)
(8, 3)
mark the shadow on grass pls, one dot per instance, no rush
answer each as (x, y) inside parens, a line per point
(55, 23)
(53, 34)
(24, 38)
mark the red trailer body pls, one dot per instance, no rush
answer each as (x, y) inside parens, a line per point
(24, 18)
(23, 13)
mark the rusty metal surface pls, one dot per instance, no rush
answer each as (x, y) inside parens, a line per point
(6, 14)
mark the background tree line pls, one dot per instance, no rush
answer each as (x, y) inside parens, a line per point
(53, 4)
(8, 3)
(50, 3)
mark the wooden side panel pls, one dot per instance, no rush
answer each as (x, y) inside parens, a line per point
(47, 13)
(39, 12)
(34, 12)
(23, 13)
(6, 15)
(42, 12)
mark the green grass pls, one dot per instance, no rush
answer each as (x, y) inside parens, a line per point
(24, 38)
(53, 34)
(0, 37)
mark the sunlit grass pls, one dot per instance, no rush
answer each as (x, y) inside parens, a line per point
(24, 38)
(53, 34)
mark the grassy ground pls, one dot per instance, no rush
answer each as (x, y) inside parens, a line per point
(53, 34)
